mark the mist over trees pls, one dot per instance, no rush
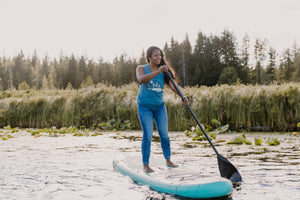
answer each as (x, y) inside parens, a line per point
(214, 59)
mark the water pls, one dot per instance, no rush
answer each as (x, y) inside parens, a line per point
(68, 167)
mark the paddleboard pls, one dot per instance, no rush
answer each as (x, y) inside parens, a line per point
(180, 181)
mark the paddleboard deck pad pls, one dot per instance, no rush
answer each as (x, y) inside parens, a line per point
(180, 181)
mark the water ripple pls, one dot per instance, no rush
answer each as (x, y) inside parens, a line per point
(81, 167)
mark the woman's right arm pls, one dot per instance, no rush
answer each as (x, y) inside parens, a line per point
(144, 78)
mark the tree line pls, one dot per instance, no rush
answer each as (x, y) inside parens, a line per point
(214, 59)
(221, 60)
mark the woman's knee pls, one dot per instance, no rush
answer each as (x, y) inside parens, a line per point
(165, 140)
(147, 139)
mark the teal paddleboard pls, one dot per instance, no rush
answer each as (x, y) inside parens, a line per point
(180, 181)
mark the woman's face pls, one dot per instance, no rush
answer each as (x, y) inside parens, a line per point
(155, 58)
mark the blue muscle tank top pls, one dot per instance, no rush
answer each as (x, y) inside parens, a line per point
(151, 94)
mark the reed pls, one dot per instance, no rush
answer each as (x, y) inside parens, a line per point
(243, 107)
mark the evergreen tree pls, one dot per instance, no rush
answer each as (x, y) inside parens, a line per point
(198, 60)
(52, 77)
(123, 68)
(91, 65)
(173, 55)
(271, 68)
(142, 59)
(229, 57)
(287, 65)
(228, 76)
(45, 83)
(1, 84)
(20, 71)
(63, 71)
(296, 65)
(132, 67)
(115, 73)
(228, 49)
(294, 52)
(6, 73)
(244, 60)
(2, 72)
(106, 72)
(36, 78)
(259, 53)
(212, 67)
(82, 69)
(45, 67)
(72, 72)
(41, 70)
(50, 83)
(245, 51)
(186, 68)
(56, 74)
(34, 59)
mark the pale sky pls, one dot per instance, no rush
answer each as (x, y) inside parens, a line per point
(108, 28)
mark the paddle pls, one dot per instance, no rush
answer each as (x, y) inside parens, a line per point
(227, 170)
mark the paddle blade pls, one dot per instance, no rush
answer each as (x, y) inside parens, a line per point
(227, 170)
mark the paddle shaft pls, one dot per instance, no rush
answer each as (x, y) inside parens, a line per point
(227, 169)
(191, 111)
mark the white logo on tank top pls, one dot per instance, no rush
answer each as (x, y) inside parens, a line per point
(154, 86)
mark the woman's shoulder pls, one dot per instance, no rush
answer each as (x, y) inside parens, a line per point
(142, 66)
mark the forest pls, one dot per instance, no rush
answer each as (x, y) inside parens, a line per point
(213, 60)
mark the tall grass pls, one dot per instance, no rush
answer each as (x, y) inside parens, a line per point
(276, 107)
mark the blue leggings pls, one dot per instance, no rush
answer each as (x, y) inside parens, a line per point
(146, 116)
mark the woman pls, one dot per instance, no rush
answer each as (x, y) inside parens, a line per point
(151, 104)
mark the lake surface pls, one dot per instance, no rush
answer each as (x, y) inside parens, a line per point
(69, 167)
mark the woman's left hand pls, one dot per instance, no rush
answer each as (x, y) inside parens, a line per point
(163, 68)
(185, 101)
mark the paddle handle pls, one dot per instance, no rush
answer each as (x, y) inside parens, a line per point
(191, 111)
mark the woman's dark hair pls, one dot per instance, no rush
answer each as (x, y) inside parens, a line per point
(163, 61)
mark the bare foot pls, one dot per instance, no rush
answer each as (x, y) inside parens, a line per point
(171, 164)
(147, 169)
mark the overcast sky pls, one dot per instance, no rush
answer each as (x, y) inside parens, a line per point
(108, 28)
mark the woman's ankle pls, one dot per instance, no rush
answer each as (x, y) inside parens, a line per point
(147, 168)
(170, 163)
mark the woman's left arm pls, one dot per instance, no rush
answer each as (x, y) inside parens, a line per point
(172, 87)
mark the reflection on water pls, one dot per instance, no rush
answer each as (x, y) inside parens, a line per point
(69, 167)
